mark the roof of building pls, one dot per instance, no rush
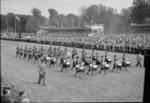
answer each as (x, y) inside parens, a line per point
(141, 25)
(67, 29)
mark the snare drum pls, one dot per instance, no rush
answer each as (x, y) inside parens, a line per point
(119, 65)
(127, 63)
(81, 68)
(68, 63)
(107, 65)
(109, 59)
(95, 66)
(65, 61)
(48, 58)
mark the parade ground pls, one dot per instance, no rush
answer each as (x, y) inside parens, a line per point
(64, 87)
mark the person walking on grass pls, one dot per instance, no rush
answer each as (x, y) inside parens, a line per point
(42, 73)
(139, 59)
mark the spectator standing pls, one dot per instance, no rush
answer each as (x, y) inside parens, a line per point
(42, 73)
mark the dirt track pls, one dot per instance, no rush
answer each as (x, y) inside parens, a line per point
(112, 87)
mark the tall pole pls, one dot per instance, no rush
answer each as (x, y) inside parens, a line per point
(15, 26)
(7, 23)
(92, 25)
(145, 39)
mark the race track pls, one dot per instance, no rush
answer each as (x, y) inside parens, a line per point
(112, 87)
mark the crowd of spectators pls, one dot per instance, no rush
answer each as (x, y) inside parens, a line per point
(120, 40)
(130, 43)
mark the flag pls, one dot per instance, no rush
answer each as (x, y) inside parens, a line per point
(17, 18)
(92, 21)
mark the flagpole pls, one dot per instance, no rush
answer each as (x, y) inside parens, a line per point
(92, 25)
(15, 26)
(7, 23)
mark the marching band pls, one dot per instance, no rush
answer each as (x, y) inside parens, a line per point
(66, 59)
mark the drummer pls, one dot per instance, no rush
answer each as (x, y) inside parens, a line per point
(97, 56)
(124, 61)
(21, 51)
(102, 59)
(115, 60)
(17, 51)
(106, 57)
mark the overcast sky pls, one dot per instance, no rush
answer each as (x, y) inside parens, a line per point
(62, 6)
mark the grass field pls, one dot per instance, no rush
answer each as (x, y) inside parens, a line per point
(112, 87)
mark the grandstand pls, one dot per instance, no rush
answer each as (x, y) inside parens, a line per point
(64, 32)
(144, 27)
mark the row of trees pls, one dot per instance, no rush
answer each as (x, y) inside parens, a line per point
(96, 14)
(61, 20)
(140, 11)
(24, 23)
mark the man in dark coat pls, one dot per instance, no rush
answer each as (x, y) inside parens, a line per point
(42, 73)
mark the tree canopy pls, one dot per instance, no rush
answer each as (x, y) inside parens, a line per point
(94, 14)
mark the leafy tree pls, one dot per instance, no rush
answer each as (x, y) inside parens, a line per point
(99, 14)
(140, 11)
(23, 20)
(61, 20)
(53, 18)
(3, 22)
(35, 21)
(36, 12)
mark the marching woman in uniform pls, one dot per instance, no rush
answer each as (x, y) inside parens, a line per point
(73, 53)
(17, 51)
(21, 52)
(29, 53)
(105, 57)
(102, 60)
(83, 53)
(65, 51)
(36, 55)
(139, 59)
(25, 52)
(124, 62)
(115, 60)
(97, 56)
